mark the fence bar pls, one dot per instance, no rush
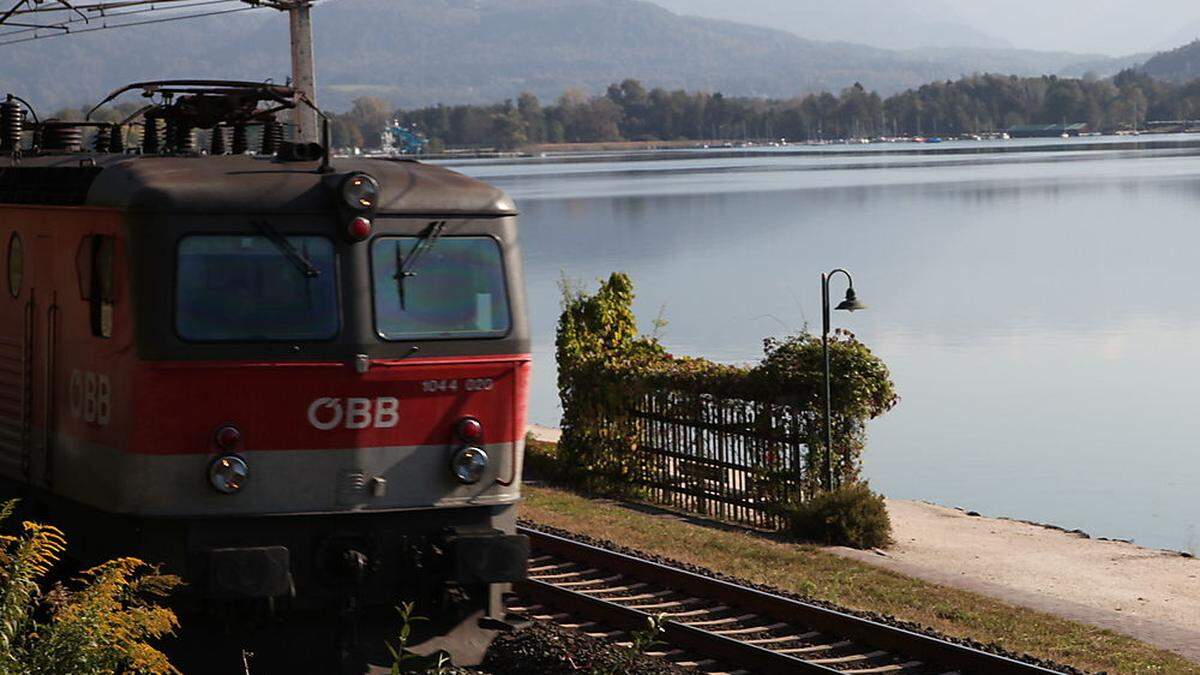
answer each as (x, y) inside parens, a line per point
(728, 458)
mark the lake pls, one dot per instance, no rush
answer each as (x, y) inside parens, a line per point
(1034, 300)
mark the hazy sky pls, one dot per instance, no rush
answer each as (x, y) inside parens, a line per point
(1114, 27)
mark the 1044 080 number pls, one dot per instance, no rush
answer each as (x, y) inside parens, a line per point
(472, 384)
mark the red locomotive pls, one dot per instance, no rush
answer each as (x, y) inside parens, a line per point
(292, 380)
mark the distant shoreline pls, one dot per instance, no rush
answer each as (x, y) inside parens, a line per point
(956, 145)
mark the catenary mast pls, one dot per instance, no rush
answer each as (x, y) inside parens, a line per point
(304, 78)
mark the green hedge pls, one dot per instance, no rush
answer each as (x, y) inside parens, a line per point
(604, 366)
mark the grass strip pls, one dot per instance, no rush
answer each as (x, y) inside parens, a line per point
(807, 570)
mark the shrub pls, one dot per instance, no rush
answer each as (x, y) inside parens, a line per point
(605, 368)
(851, 515)
(102, 622)
(542, 461)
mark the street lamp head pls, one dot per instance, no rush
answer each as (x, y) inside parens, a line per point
(851, 302)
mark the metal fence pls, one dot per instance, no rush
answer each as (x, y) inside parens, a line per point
(731, 459)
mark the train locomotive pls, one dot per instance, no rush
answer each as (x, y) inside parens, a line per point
(297, 381)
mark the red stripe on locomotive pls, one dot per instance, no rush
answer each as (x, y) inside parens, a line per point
(312, 406)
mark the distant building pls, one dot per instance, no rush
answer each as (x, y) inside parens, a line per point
(1048, 130)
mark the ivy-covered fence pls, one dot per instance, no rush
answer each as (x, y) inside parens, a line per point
(726, 457)
(742, 443)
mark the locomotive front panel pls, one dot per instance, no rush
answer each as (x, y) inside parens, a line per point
(311, 403)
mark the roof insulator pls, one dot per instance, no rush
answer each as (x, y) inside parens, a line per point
(150, 145)
(240, 144)
(272, 136)
(217, 147)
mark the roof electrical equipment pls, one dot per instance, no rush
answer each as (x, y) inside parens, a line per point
(150, 130)
(272, 136)
(12, 121)
(217, 144)
(116, 141)
(240, 142)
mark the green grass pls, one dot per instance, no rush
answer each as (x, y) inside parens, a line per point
(808, 570)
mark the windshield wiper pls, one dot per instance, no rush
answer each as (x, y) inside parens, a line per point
(407, 266)
(285, 247)
(308, 293)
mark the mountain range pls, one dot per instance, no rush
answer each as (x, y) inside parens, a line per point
(1114, 27)
(418, 52)
(907, 25)
(1177, 65)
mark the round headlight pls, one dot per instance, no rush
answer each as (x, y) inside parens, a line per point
(360, 191)
(469, 464)
(228, 473)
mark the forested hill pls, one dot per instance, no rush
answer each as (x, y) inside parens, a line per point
(417, 52)
(628, 111)
(1177, 65)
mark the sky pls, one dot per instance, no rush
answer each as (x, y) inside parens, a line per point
(1110, 27)
(1114, 27)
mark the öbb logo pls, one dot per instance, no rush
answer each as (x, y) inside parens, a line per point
(327, 414)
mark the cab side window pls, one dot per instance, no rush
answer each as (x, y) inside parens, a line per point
(96, 267)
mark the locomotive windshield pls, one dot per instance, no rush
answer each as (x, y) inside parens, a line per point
(241, 288)
(456, 291)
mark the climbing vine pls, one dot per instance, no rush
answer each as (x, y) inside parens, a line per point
(605, 366)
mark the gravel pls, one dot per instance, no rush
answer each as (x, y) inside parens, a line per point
(871, 616)
(543, 648)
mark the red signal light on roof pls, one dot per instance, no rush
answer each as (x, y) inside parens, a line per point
(359, 228)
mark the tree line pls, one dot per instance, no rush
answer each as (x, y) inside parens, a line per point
(628, 111)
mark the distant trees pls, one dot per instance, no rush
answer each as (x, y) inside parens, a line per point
(363, 124)
(586, 119)
(628, 111)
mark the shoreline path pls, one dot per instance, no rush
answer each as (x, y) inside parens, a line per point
(1148, 594)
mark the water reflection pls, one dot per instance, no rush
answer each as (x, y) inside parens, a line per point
(1036, 313)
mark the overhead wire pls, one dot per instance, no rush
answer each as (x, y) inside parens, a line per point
(94, 7)
(34, 8)
(64, 27)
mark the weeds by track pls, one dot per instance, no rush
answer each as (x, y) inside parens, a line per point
(721, 627)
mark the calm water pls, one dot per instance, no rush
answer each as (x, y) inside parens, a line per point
(1038, 308)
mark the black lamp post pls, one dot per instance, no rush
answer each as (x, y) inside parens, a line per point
(850, 304)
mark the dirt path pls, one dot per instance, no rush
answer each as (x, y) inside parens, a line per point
(1150, 595)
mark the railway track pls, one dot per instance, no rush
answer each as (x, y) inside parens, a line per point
(720, 627)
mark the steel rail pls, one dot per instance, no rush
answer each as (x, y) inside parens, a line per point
(710, 645)
(899, 641)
